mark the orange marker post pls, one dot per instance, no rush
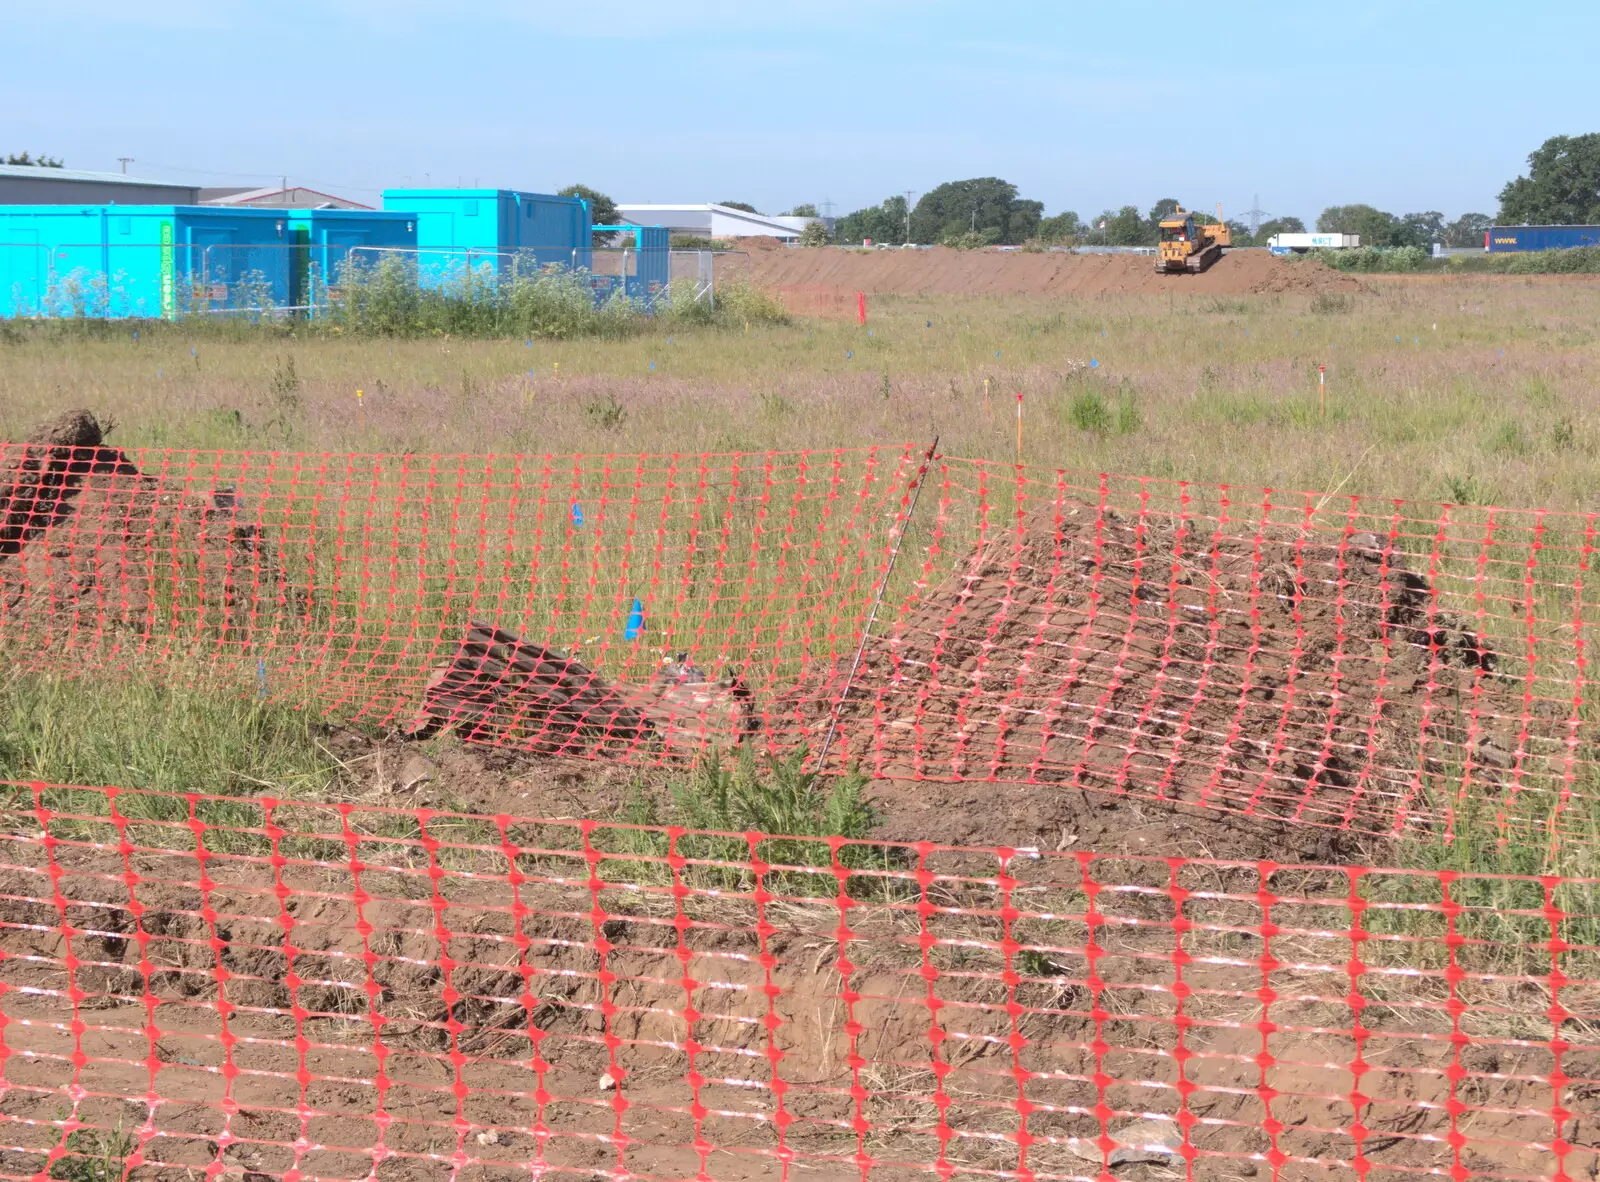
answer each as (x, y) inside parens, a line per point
(1019, 429)
(861, 307)
(361, 410)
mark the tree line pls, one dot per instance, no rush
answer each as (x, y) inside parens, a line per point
(1561, 187)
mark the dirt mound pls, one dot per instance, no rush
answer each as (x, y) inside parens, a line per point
(501, 689)
(759, 242)
(943, 271)
(89, 545)
(1287, 676)
(1305, 277)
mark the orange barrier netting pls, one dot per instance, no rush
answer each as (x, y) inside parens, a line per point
(1370, 665)
(194, 986)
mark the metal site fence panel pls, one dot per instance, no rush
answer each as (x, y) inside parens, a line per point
(642, 275)
(143, 280)
(1364, 664)
(289, 990)
(147, 280)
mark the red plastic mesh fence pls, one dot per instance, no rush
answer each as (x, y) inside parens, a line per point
(1371, 665)
(194, 986)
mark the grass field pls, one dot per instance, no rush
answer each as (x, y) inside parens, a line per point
(1473, 390)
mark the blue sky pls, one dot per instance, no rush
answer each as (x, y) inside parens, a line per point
(1409, 105)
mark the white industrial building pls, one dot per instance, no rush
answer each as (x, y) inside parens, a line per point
(714, 221)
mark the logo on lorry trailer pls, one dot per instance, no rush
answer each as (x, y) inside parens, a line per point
(1506, 241)
(169, 285)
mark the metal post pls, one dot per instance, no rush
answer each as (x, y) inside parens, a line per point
(872, 616)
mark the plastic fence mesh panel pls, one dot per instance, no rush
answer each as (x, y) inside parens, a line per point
(1362, 664)
(204, 985)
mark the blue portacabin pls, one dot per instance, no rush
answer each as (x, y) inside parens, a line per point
(144, 261)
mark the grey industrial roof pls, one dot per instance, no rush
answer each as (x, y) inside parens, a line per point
(32, 172)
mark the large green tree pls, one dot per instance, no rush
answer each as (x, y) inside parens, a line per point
(1467, 230)
(1122, 227)
(602, 210)
(1161, 209)
(1418, 229)
(987, 206)
(1562, 185)
(1267, 229)
(1063, 227)
(1379, 228)
(1374, 225)
(884, 223)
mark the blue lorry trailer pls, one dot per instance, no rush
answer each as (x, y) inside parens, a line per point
(1505, 239)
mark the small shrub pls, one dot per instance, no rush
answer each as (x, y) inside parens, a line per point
(772, 796)
(740, 302)
(1539, 391)
(1088, 411)
(94, 1155)
(1129, 420)
(775, 405)
(1465, 490)
(1331, 303)
(1375, 259)
(1563, 435)
(776, 796)
(606, 413)
(1581, 260)
(285, 381)
(682, 307)
(815, 234)
(973, 239)
(1509, 438)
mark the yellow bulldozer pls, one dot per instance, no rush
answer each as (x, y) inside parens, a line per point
(1187, 247)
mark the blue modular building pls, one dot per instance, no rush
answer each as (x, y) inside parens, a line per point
(645, 264)
(326, 241)
(141, 260)
(1519, 238)
(493, 232)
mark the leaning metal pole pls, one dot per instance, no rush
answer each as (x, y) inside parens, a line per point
(872, 616)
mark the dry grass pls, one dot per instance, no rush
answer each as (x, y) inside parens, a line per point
(1485, 397)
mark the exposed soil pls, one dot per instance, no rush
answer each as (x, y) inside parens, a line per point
(253, 1020)
(812, 273)
(1283, 675)
(90, 547)
(370, 1004)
